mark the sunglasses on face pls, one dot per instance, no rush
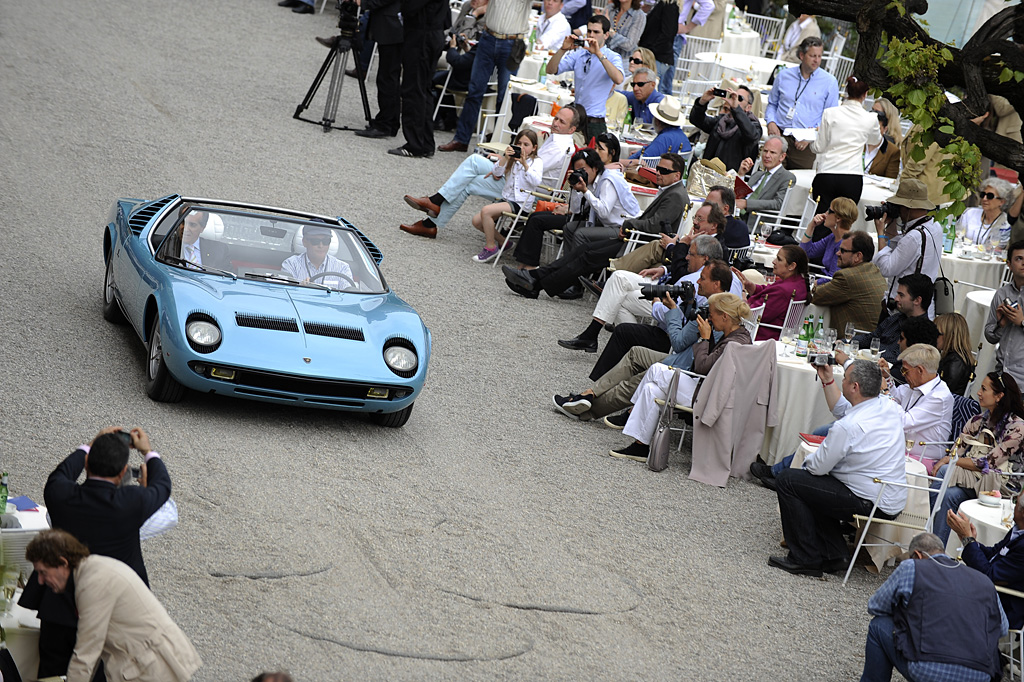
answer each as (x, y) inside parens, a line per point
(987, 195)
(842, 250)
(641, 84)
(829, 211)
(318, 241)
(740, 98)
(634, 60)
(665, 171)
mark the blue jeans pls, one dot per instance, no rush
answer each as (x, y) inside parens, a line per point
(951, 502)
(468, 178)
(786, 462)
(880, 654)
(665, 82)
(665, 72)
(490, 53)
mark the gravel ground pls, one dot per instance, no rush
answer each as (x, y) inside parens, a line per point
(490, 538)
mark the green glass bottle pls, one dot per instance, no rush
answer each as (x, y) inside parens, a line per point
(3, 493)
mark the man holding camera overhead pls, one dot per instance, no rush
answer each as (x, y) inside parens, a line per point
(596, 69)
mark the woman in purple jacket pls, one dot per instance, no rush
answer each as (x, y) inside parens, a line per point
(838, 219)
(790, 270)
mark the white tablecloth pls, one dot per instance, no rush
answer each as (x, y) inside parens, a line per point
(987, 273)
(874, 193)
(21, 625)
(802, 406)
(530, 66)
(988, 521)
(742, 63)
(745, 41)
(975, 311)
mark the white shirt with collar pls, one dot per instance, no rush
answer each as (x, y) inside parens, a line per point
(552, 32)
(927, 415)
(794, 31)
(842, 134)
(553, 152)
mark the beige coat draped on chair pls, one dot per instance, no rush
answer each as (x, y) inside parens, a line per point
(735, 404)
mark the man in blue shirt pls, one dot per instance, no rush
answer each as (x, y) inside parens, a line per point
(798, 99)
(934, 619)
(668, 117)
(643, 95)
(596, 70)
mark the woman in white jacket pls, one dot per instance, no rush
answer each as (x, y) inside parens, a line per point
(522, 169)
(842, 134)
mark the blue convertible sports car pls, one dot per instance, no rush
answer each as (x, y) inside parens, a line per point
(262, 303)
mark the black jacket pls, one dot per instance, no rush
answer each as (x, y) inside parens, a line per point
(740, 146)
(955, 372)
(660, 31)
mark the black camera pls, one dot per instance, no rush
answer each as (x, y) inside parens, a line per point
(820, 359)
(719, 92)
(579, 42)
(517, 152)
(348, 19)
(125, 436)
(684, 293)
(892, 211)
(576, 177)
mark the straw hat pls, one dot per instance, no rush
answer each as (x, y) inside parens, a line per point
(668, 111)
(912, 194)
(715, 164)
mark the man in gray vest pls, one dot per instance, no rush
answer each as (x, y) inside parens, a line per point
(934, 618)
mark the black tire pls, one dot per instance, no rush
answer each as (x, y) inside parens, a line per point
(160, 385)
(392, 420)
(111, 309)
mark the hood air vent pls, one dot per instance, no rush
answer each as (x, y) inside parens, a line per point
(333, 330)
(280, 324)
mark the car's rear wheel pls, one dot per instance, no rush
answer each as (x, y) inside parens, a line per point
(392, 420)
(111, 309)
(160, 385)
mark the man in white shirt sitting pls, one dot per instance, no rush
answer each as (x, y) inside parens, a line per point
(838, 479)
(311, 266)
(552, 26)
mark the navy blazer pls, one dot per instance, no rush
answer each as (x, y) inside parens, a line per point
(1005, 570)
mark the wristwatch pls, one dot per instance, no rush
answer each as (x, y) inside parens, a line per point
(968, 540)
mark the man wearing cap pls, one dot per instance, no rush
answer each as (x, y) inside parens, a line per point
(668, 117)
(899, 250)
(596, 70)
(311, 265)
(798, 99)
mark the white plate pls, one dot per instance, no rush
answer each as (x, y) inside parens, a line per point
(989, 501)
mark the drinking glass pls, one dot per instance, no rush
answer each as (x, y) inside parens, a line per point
(876, 346)
(766, 230)
(848, 333)
(787, 337)
(769, 278)
(830, 339)
(854, 349)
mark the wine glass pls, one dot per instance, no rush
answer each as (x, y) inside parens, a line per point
(876, 345)
(830, 339)
(854, 349)
(848, 333)
(787, 337)
(766, 230)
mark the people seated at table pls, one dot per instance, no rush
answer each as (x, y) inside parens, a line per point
(1002, 563)
(473, 177)
(913, 294)
(641, 58)
(564, 273)
(934, 619)
(883, 159)
(900, 240)
(659, 34)
(734, 133)
(522, 170)
(643, 95)
(842, 477)
(769, 183)
(956, 366)
(596, 68)
(839, 146)
(552, 27)
(1005, 319)
(726, 313)
(913, 330)
(628, 23)
(1002, 414)
(798, 99)
(805, 26)
(613, 389)
(669, 136)
(988, 223)
(836, 222)
(856, 287)
(790, 270)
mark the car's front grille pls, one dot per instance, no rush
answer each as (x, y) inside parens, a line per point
(281, 324)
(251, 381)
(336, 331)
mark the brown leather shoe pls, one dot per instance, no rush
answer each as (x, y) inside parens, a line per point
(328, 42)
(419, 229)
(423, 204)
(453, 146)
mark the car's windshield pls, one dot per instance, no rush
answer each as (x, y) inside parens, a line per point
(272, 249)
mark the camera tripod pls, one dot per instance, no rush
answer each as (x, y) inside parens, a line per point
(338, 56)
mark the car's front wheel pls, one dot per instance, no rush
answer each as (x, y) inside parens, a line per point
(392, 420)
(160, 385)
(111, 309)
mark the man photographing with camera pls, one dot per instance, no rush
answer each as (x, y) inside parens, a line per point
(596, 69)
(914, 249)
(104, 514)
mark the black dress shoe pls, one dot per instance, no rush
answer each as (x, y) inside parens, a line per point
(524, 279)
(763, 473)
(373, 132)
(289, 3)
(790, 566)
(835, 566)
(328, 42)
(303, 8)
(572, 293)
(522, 291)
(351, 73)
(587, 345)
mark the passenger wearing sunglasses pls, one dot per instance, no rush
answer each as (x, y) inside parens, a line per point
(316, 260)
(642, 58)
(735, 133)
(988, 222)
(642, 95)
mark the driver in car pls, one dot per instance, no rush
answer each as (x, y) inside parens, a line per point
(195, 249)
(311, 265)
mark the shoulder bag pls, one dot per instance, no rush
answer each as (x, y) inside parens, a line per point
(657, 459)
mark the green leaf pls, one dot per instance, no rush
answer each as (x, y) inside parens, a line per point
(947, 55)
(917, 154)
(1018, 76)
(917, 97)
(926, 120)
(1005, 75)
(946, 129)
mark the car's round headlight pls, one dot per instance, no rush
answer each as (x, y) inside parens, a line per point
(202, 333)
(401, 360)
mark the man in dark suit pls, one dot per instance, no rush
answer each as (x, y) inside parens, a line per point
(385, 28)
(661, 216)
(105, 516)
(195, 249)
(1003, 562)
(770, 183)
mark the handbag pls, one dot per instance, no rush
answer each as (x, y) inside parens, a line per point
(657, 458)
(975, 480)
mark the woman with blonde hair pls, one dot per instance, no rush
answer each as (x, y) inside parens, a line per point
(883, 159)
(522, 169)
(726, 313)
(838, 220)
(956, 364)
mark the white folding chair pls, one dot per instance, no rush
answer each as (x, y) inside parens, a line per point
(753, 321)
(1011, 647)
(458, 96)
(794, 314)
(773, 216)
(771, 30)
(680, 407)
(520, 217)
(687, 66)
(841, 67)
(905, 519)
(743, 252)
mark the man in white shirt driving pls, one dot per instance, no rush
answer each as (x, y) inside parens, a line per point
(311, 265)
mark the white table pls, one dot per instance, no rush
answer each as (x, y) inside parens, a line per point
(975, 310)
(741, 63)
(987, 273)
(876, 190)
(21, 625)
(992, 524)
(743, 41)
(802, 406)
(530, 66)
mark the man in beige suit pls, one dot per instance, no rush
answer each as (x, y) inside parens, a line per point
(805, 26)
(119, 619)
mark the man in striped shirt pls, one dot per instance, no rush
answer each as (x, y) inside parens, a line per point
(306, 267)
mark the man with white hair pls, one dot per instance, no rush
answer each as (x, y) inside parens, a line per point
(642, 95)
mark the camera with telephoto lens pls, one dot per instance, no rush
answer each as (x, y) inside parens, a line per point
(576, 177)
(684, 293)
(892, 211)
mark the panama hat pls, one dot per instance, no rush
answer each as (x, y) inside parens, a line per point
(715, 164)
(912, 194)
(668, 111)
